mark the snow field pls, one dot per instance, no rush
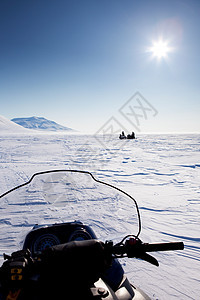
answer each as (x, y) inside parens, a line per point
(162, 172)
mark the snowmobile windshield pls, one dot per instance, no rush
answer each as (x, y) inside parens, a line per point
(65, 196)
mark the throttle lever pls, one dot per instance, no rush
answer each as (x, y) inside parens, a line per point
(134, 248)
(149, 258)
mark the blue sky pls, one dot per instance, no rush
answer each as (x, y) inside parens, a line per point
(78, 62)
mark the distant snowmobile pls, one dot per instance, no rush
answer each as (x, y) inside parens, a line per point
(129, 136)
(122, 136)
(66, 260)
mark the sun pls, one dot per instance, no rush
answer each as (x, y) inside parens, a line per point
(160, 49)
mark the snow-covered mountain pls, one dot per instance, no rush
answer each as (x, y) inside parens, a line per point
(7, 126)
(40, 123)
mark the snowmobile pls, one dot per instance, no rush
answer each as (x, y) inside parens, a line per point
(78, 229)
(131, 136)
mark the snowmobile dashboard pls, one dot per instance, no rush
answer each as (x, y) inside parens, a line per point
(48, 235)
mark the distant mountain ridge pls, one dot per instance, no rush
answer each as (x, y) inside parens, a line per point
(40, 123)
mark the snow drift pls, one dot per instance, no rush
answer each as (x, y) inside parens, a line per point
(7, 126)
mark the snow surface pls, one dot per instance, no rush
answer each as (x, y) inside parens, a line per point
(162, 172)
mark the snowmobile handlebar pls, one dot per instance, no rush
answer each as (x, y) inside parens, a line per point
(86, 260)
(163, 246)
(133, 247)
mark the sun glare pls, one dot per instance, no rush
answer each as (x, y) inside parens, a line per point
(160, 49)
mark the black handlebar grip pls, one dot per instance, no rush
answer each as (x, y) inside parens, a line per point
(163, 246)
